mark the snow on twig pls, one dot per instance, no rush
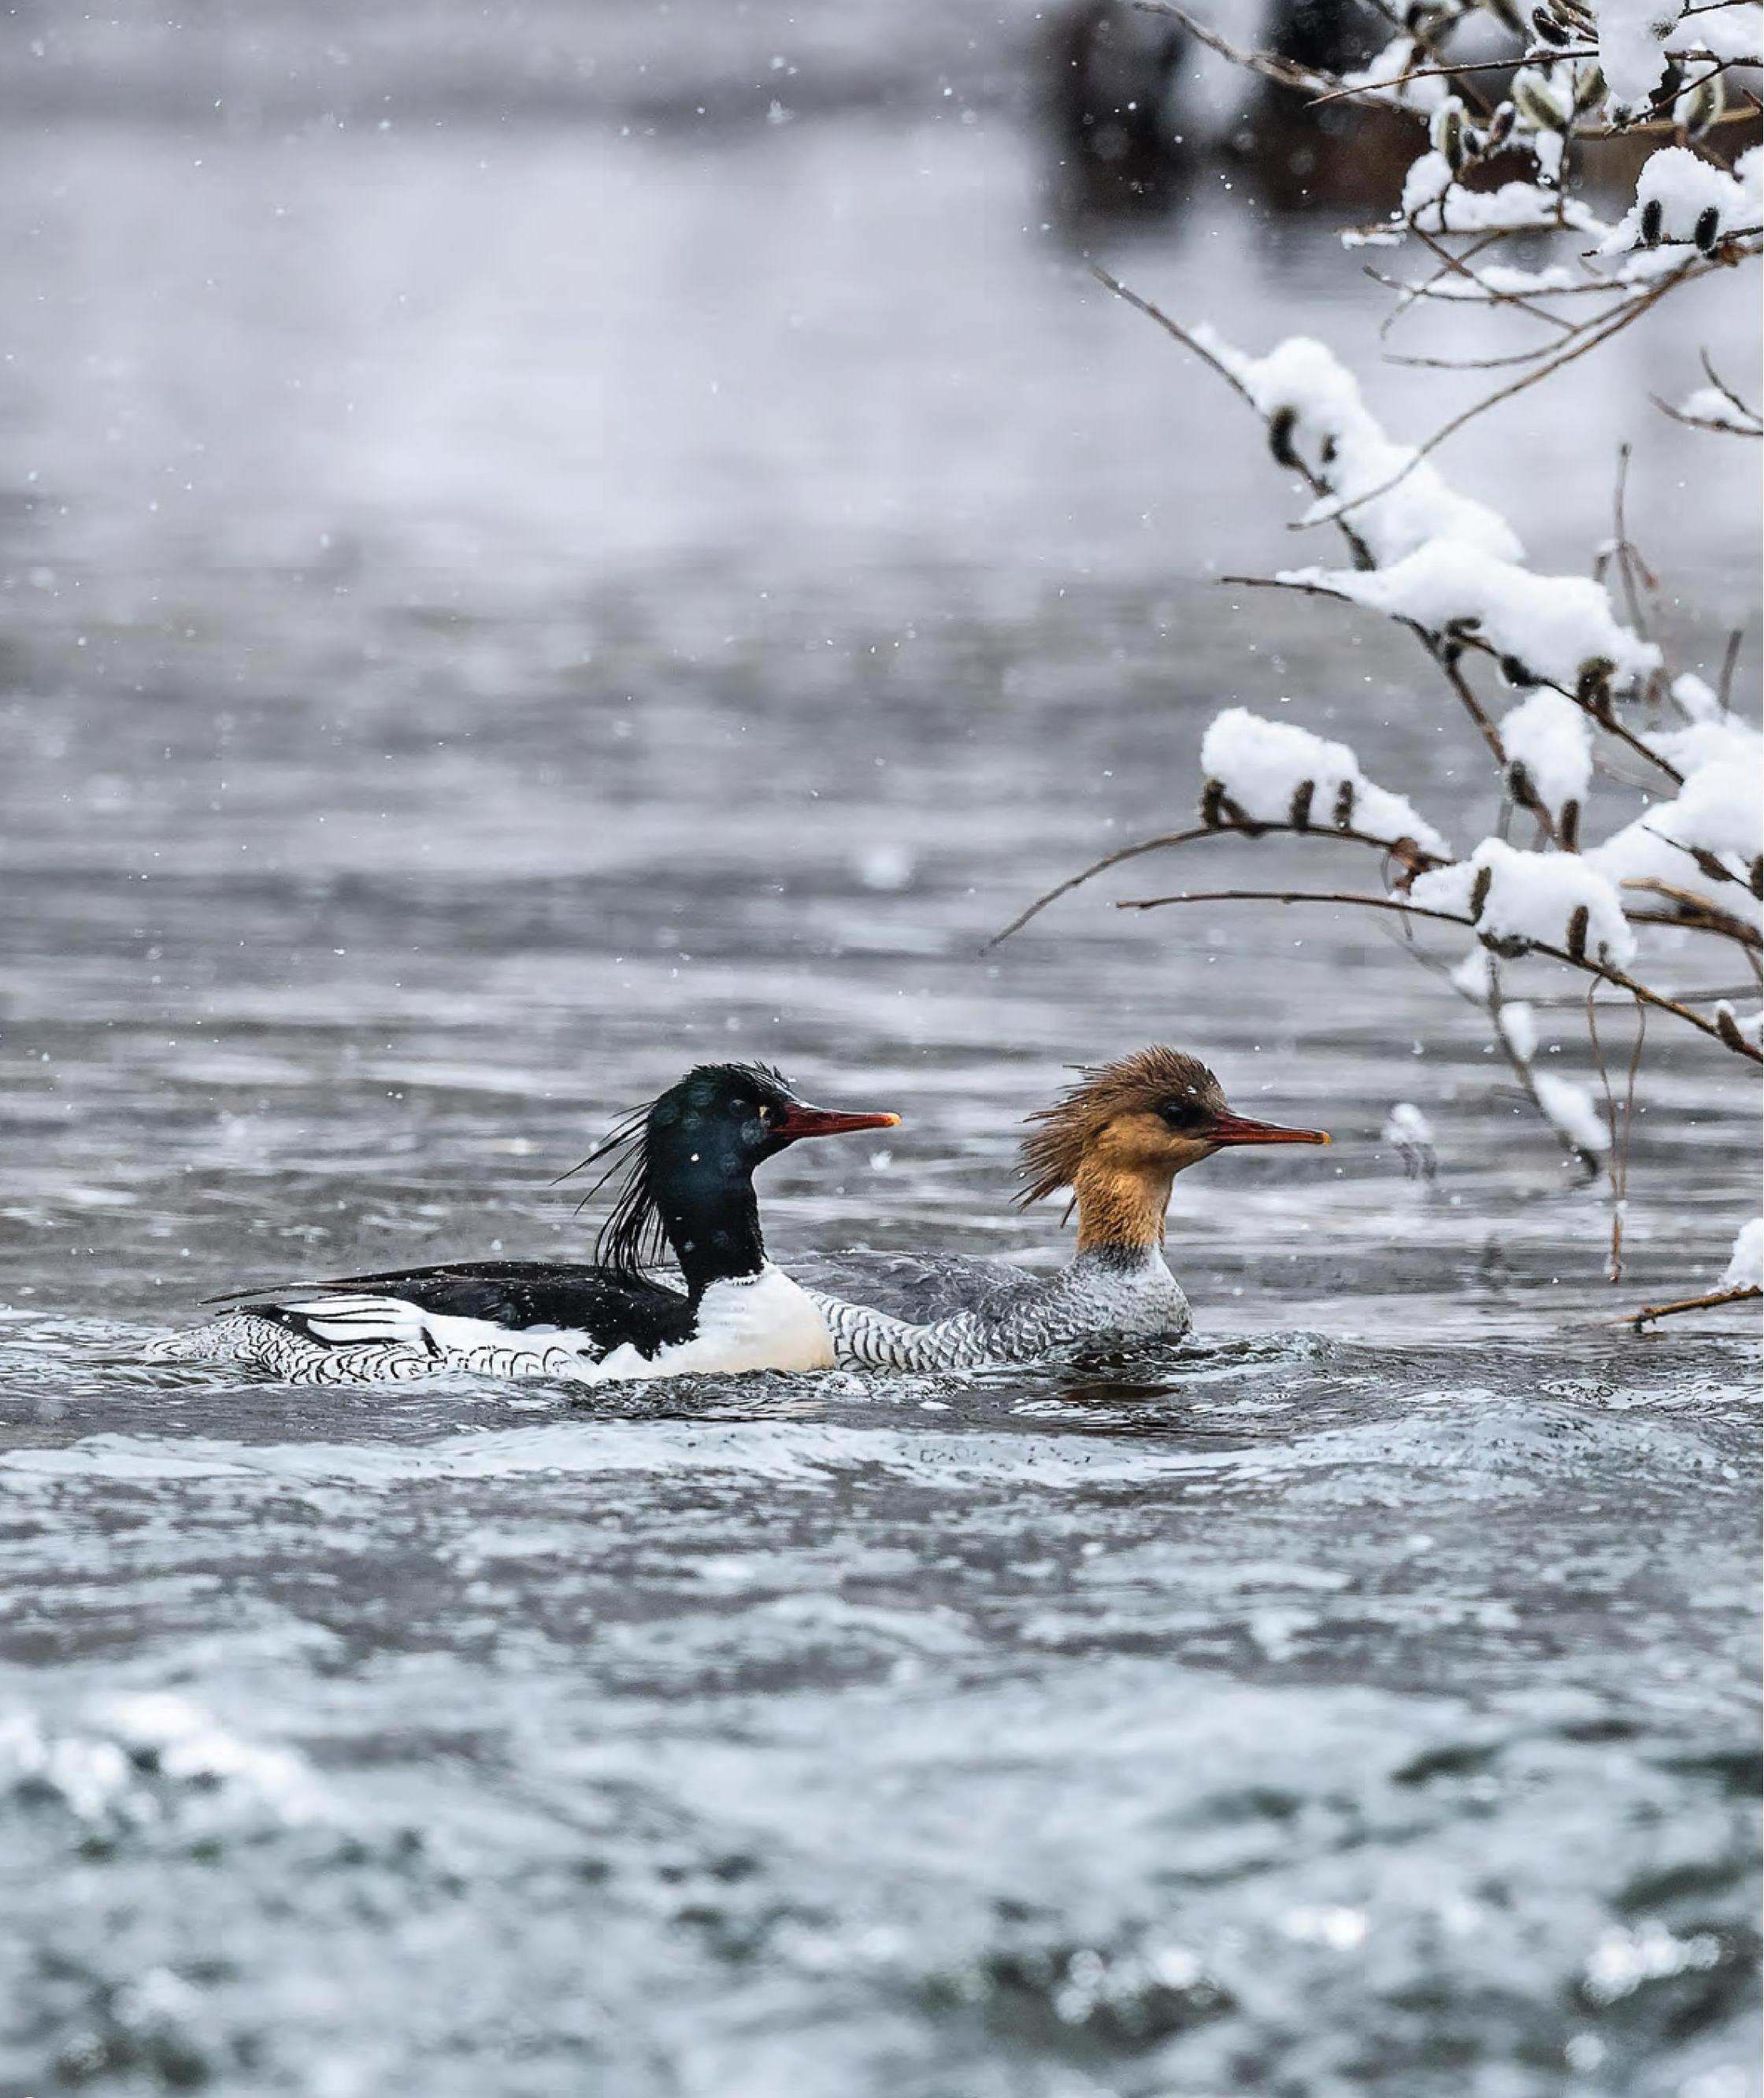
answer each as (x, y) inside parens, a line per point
(1743, 1282)
(1589, 691)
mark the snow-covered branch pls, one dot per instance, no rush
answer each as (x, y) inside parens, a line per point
(1570, 691)
(1743, 1282)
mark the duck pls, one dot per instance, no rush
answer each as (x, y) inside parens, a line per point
(1116, 1141)
(684, 1166)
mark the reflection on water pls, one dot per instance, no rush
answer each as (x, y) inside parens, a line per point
(492, 613)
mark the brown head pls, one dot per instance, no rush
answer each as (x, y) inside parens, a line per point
(1124, 1132)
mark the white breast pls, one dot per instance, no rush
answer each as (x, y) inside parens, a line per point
(754, 1322)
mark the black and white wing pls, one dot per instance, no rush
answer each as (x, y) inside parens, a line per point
(501, 1318)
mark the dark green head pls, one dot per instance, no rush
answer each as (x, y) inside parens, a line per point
(689, 1159)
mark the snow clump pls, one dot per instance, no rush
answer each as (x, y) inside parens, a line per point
(1696, 699)
(1433, 203)
(1525, 899)
(1682, 200)
(1745, 1262)
(1266, 767)
(1549, 629)
(1632, 49)
(1410, 1134)
(1719, 810)
(1387, 78)
(1316, 418)
(1570, 1108)
(1547, 738)
(1708, 405)
(1519, 1023)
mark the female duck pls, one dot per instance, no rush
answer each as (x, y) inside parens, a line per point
(688, 1162)
(1118, 1140)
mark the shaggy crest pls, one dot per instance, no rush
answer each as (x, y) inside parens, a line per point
(1137, 1084)
(634, 1237)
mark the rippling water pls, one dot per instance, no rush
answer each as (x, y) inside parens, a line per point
(494, 614)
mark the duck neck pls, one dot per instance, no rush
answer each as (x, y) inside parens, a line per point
(715, 1234)
(1121, 1212)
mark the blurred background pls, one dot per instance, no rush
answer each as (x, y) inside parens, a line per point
(591, 527)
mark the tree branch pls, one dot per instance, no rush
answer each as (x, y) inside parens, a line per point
(1696, 913)
(1425, 861)
(1590, 336)
(1716, 1297)
(1283, 71)
(1356, 546)
(1436, 645)
(1738, 1045)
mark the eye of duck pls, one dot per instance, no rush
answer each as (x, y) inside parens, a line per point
(1181, 1114)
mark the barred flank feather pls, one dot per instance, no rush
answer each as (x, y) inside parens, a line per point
(1096, 1302)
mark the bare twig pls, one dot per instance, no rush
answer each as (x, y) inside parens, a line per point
(1283, 71)
(1436, 646)
(1455, 266)
(1520, 1066)
(1406, 847)
(1591, 336)
(1192, 344)
(1722, 388)
(1716, 424)
(1629, 560)
(1411, 362)
(1459, 265)
(1294, 896)
(1730, 662)
(1696, 264)
(1614, 1258)
(1605, 287)
(1695, 913)
(1655, 127)
(1716, 1297)
(1356, 546)
(1452, 72)
(1618, 1157)
(1628, 1131)
(1718, 994)
(1604, 970)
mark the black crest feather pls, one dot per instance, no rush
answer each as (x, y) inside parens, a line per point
(1055, 1147)
(634, 1237)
